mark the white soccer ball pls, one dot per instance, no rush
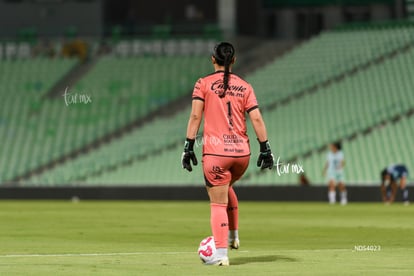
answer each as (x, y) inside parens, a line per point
(207, 249)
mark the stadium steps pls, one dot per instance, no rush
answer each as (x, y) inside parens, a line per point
(366, 142)
(162, 165)
(310, 147)
(71, 78)
(54, 130)
(324, 58)
(376, 117)
(370, 100)
(258, 55)
(166, 110)
(22, 84)
(163, 154)
(375, 61)
(365, 155)
(340, 75)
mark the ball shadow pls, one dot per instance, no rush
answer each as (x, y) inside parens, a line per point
(261, 259)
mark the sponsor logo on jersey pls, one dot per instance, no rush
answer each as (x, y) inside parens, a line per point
(233, 90)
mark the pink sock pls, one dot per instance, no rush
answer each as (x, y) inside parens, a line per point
(233, 210)
(219, 224)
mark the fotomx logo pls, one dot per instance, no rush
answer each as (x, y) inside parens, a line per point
(233, 90)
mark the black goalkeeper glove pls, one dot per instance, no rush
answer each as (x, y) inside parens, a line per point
(188, 155)
(265, 160)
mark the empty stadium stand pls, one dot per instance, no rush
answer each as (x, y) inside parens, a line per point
(28, 134)
(350, 85)
(40, 130)
(325, 57)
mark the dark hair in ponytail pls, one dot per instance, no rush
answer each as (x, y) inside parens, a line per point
(224, 55)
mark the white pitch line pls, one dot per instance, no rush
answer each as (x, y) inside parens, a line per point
(156, 253)
(93, 254)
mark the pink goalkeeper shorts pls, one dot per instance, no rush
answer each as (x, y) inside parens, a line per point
(222, 170)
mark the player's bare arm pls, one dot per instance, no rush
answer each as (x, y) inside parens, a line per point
(258, 125)
(194, 122)
(394, 189)
(384, 192)
(195, 119)
(266, 159)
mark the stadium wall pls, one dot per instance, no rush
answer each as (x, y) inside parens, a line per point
(51, 18)
(254, 193)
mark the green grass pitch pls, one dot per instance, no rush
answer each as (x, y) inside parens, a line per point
(161, 238)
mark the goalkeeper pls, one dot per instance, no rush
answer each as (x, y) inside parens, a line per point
(224, 99)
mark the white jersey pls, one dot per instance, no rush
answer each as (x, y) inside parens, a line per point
(335, 161)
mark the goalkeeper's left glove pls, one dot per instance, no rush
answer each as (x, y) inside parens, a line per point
(188, 155)
(265, 160)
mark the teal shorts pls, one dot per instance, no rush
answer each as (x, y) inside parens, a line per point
(336, 176)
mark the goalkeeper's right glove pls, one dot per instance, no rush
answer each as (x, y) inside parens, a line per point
(188, 155)
(265, 160)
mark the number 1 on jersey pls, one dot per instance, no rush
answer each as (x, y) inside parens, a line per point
(229, 115)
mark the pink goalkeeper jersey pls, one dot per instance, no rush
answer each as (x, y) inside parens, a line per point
(225, 132)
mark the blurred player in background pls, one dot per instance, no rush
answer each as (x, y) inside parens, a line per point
(392, 178)
(224, 99)
(334, 171)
